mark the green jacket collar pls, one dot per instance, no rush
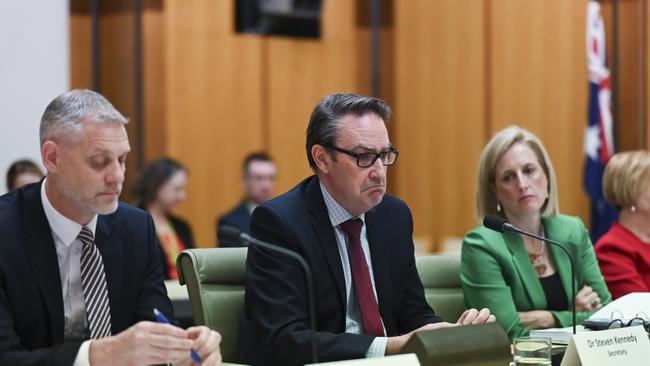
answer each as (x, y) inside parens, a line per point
(525, 268)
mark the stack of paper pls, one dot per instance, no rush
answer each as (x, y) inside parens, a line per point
(635, 304)
(557, 335)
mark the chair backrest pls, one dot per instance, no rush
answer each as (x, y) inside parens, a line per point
(440, 275)
(215, 280)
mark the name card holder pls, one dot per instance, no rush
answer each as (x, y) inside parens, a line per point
(397, 360)
(472, 345)
(628, 346)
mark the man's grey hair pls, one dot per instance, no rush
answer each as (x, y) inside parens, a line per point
(64, 115)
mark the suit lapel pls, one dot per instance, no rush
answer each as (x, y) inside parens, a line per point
(325, 235)
(109, 247)
(380, 255)
(41, 252)
(561, 234)
(526, 271)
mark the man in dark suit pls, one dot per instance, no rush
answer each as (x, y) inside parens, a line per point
(358, 242)
(258, 181)
(80, 272)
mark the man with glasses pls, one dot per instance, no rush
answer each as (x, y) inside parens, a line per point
(357, 240)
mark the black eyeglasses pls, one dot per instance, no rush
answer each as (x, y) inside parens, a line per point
(619, 323)
(365, 160)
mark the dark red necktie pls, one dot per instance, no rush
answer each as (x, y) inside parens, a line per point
(361, 279)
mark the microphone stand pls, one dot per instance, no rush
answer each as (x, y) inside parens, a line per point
(308, 278)
(247, 240)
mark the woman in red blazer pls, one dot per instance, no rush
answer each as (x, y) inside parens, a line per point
(624, 251)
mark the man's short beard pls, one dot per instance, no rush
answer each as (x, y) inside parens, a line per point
(110, 210)
(85, 206)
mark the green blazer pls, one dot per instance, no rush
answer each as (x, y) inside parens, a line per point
(496, 272)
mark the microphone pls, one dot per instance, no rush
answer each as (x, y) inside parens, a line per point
(235, 235)
(501, 225)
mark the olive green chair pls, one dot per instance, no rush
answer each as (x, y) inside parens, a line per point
(215, 285)
(440, 275)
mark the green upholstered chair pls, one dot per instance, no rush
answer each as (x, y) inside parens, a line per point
(215, 285)
(440, 275)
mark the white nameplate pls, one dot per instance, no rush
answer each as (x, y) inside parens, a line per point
(614, 347)
(398, 360)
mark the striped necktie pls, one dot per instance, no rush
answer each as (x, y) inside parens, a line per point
(93, 283)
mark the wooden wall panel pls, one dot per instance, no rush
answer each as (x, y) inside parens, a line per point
(629, 136)
(153, 78)
(627, 76)
(628, 106)
(118, 73)
(300, 73)
(213, 105)
(80, 43)
(539, 81)
(647, 81)
(439, 111)
(117, 63)
(454, 71)
(121, 80)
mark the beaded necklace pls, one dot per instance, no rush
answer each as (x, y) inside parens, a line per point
(539, 258)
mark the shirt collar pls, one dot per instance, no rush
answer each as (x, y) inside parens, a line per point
(337, 213)
(64, 228)
(250, 206)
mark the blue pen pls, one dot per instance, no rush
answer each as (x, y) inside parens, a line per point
(162, 319)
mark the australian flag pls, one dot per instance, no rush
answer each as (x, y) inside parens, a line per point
(598, 140)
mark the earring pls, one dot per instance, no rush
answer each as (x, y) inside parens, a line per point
(498, 206)
(633, 208)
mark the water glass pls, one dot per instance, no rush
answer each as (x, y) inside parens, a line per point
(532, 351)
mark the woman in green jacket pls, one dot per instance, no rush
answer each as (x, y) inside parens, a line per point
(525, 282)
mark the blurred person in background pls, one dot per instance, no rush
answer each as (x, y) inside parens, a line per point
(22, 172)
(525, 281)
(624, 251)
(160, 187)
(258, 183)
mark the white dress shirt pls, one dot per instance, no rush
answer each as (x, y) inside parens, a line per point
(68, 251)
(353, 320)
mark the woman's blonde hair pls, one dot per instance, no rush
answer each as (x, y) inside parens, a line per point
(625, 176)
(486, 201)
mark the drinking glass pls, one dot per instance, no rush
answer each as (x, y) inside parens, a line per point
(532, 351)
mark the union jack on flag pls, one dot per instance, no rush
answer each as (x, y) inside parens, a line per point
(598, 140)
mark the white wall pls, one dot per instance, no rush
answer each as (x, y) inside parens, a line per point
(34, 68)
